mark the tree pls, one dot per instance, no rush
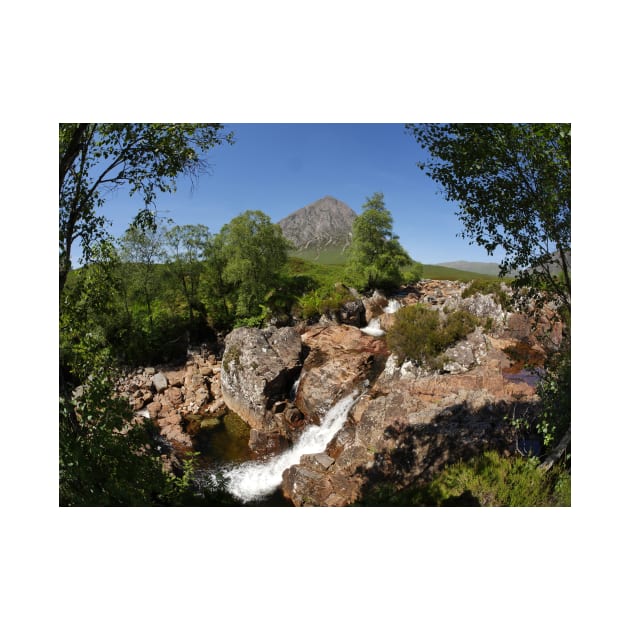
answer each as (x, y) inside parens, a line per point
(254, 251)
(142, 250)
(376, 257)
(187, 245)
(513, 185)
(102, 459)
(95, 159)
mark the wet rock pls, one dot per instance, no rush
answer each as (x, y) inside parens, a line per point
(267, 442)
(374, 305)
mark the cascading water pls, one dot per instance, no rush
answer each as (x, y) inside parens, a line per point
(374, 327)
(392, 306)
(253, 481)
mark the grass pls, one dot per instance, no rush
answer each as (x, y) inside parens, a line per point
(435, 272)
(488, 480)
(333, 255)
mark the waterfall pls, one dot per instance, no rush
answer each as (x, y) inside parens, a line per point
(392, 306)
(374, 327)
(255, 480)
(294, 388)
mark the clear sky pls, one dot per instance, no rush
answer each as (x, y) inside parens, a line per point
(279, 168)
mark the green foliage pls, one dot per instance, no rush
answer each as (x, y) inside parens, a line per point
(488, 480)
(253, 252)
(421, 335)
(553, 415)
(323, 300)
(187, 245)
(489, 287)
(513, 185)
(95, 159)
(554, 390)
(413, 273)
(376, 257)
(104, 458)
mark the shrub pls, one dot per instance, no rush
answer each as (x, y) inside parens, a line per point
(421, 335)
(323, 300)
(488, 480)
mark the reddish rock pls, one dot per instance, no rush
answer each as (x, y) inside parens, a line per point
(174, 395)
(340, 358)
(154, 409)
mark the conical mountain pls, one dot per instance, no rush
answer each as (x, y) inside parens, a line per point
(322, 227)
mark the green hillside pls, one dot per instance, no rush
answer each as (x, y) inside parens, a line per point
(333, 255)
(327, 266)
(436, 272)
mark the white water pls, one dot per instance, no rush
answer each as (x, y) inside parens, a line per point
(374, 327)
(392, 306)
(294, 388)
(255, 480)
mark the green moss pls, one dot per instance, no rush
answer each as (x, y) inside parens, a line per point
(232, 356)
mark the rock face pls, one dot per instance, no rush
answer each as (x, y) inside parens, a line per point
(323, 223)
(258, 370)
(339, 359)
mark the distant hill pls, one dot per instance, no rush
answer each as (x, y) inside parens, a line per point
(487, 269)
(492, 269)
(321, 231)
(555, 267)
(439, 272)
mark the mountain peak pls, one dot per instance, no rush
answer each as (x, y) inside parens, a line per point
(324, 223)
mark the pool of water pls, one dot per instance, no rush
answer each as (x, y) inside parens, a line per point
(223, 442)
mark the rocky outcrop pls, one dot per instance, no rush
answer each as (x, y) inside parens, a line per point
(407, 427)
(258, 370)
(412, 421)
(339, 359)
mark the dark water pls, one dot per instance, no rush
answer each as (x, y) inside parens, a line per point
(531, 377)
(225, 442)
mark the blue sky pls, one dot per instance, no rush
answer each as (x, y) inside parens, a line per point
(279, 168)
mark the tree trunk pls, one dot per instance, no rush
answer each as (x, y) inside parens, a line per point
(556, 453)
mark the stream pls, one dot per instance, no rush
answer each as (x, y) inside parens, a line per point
(225, 453)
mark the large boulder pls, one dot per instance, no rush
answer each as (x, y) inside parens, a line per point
(259, 368)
